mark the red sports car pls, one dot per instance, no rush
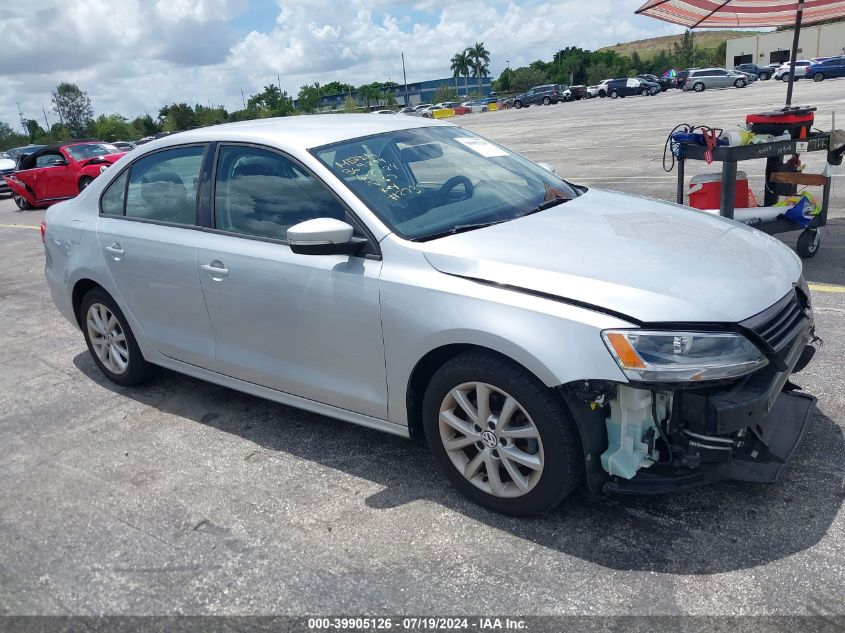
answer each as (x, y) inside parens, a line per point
(59, 171)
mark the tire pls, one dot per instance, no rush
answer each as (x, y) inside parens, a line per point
(784, 77)
(808, 243)
(643, 92)
(614, 94)
(111, 354)
(84, 182)
(818, 77)
(23, 205)
(764, 76)
(602, 94)
(546, 101)
(698, 86)
(740, 83)
(538, 410)
(517, 104)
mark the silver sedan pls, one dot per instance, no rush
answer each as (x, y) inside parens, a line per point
(410, 276)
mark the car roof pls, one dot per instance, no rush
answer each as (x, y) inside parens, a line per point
(298, 132)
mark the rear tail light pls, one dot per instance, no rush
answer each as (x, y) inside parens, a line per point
(43, 231)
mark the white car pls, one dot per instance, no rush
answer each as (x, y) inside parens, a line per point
(413, 277)
(475, 106)
(601, 88)
(7, 166)
(782, 72)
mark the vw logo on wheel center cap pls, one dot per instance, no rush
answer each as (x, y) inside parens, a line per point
(489, 439)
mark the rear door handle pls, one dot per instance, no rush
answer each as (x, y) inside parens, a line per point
(116, 251)
(215, 269)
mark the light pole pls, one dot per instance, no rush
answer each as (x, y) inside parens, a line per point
(405, 79)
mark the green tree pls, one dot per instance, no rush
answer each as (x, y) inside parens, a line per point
(350, 105)
(444, 93)
(461, 66)
(598, 71)
(309, 98)
(10, 138)
(34, 130)
(206, 115)
(390, 102)
(111, 127)
(637, 62)
(144, 125)
(684, 52)
(73, 107)
(480, 60)
(524, 78)
(176, 117)
(370, 93)
(336, 88)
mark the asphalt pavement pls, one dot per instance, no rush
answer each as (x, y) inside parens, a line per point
(181, 497)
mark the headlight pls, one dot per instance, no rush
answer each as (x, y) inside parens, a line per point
(103, 168)
(682, 356)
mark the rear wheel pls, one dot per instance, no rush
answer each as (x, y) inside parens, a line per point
(698, 86)
(501, 436)
(740, 83)
(818, 77)
(84, 182)
(517, 104)
(110, 341)
(23, 205)
(764, 76)
(785, 77)
(546, 101)
(614, 94)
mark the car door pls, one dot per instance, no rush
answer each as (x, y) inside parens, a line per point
(47, 177)
(307, 325)
(148, 233)
(835, 67)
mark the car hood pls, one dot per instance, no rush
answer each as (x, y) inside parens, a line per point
(647, 259)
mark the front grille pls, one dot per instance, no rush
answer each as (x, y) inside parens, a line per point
(780, 324)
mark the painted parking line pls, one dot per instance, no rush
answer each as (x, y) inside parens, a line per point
(826, 287)
(19, 226)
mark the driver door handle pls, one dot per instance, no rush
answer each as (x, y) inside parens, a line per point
(116, 250)
(215, 269)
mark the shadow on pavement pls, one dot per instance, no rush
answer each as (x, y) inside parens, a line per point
(720, 528)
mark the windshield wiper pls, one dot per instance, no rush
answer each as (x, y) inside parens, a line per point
(548, 204)
(460, 228)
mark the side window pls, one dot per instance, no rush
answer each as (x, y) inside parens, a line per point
(47, 160)
(163, 185)
(114, 198)
(262, 193)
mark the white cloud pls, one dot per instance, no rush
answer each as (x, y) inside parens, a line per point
(134, 56)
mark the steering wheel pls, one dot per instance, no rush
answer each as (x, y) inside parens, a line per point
(442, 196)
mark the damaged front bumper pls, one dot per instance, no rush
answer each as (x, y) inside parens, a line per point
(655, 438)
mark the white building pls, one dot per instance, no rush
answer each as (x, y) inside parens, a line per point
(826, 40)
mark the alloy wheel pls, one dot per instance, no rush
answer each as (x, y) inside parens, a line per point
(107, 338)
(491, 440)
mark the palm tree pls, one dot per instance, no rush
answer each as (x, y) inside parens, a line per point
(479, 58)
(460, 66)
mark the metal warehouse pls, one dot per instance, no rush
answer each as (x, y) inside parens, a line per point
(826, 40)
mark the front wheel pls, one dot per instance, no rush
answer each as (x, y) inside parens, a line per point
(84, 182)
(698, 87)
(23, 205)
(785, 77)
(500, 435)
(808, 243)
(818, 77)
(764, 76)
(546, 101)
(110, 341)
(740, 83)
(517, 104)
(614, 94)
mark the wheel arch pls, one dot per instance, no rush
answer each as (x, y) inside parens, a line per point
(433, 360)
(80, 289)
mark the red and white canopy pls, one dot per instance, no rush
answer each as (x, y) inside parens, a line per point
(740, 13)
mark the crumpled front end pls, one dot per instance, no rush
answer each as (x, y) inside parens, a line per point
(652, 437)
(19, 188)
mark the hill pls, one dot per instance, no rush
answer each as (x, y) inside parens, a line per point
(650, 47)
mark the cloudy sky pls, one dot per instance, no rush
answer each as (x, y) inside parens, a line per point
(132, 56)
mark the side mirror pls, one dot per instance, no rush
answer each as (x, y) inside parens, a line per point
(548, 167)
(323, 236)
(56, 162)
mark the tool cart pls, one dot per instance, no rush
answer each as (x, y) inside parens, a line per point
(780, 181)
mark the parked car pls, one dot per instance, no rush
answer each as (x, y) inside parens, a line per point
(7, 167)
(407, 111)
(455, 106)
(601, 88)
(475, 106)
(124, 146)
(750, 77)
(546, 94)
(406, 275)
(703, 78)
(59, 171)
(827, 69)
(575, 93)
(15, 153)
(761, 72)
(626, 87)
(681, 78)
(782, 72)
(592, 92)
(664, 82)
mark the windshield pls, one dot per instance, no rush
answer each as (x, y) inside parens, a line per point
(426, 182)
(91, 150)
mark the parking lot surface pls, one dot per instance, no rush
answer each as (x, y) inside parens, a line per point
(181, 497)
